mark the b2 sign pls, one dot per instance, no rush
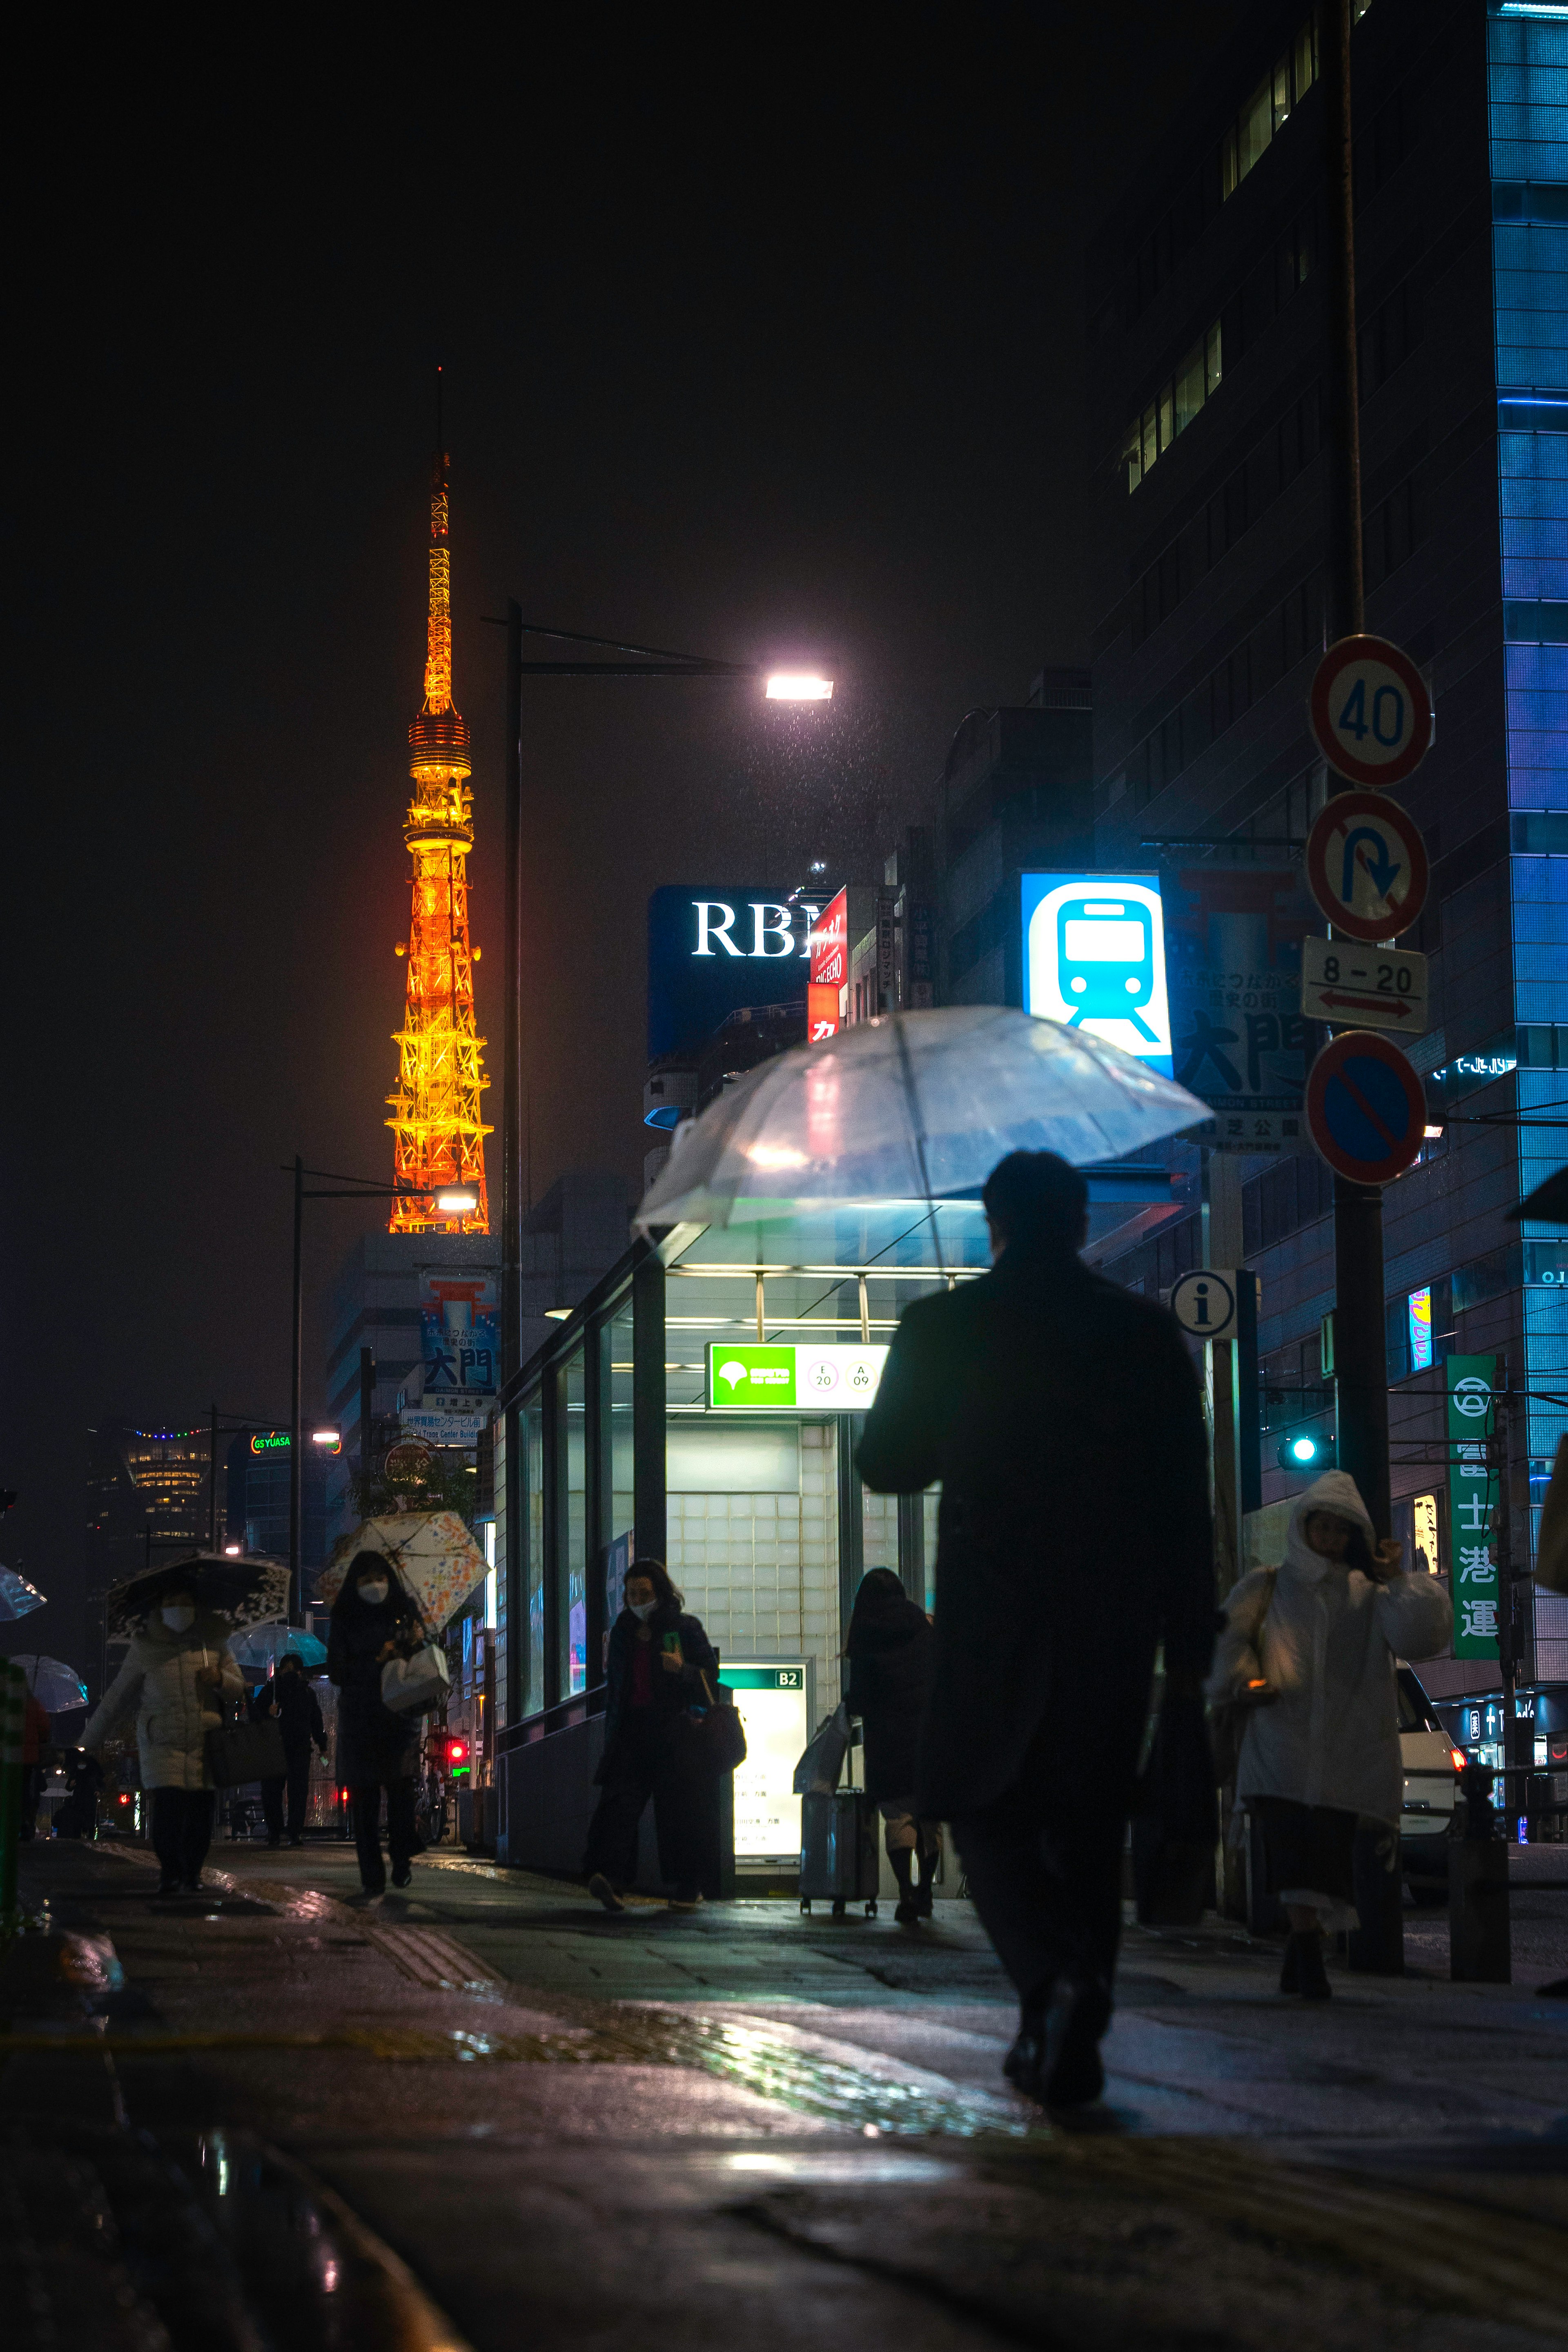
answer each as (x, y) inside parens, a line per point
(1369, 710)
(1094, 958)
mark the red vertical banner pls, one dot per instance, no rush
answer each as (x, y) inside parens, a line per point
(829, 970)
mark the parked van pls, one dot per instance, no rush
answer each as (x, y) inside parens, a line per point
(1432, 1764)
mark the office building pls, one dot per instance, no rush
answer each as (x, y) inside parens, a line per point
(1206, 369)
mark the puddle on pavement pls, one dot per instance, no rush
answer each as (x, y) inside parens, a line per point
(828, 2167)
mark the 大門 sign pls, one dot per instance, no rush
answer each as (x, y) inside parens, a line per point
(1233, 950)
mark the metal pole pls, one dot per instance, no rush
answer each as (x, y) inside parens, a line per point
(1360, 1355)
(366, 1403)
(511, 1076)
(295, 1432)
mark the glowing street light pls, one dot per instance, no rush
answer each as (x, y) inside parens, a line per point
(794, 686)
(458, 1200)
(326, 1437)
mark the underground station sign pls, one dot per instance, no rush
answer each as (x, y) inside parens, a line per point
(1369, 712)
(1366, 1110)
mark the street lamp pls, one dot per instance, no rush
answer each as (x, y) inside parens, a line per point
(642, 661)
(458, 1200)
(328, 1440)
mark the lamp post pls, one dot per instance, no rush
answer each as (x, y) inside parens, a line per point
(637, 661)
(456, 1200)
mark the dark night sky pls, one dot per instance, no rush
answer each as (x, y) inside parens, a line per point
(752, 346)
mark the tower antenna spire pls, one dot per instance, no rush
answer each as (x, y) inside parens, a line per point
(438, 1134)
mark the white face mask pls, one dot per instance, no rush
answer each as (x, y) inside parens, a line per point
(374, 1589)
(177, 1615)
(642, 1609)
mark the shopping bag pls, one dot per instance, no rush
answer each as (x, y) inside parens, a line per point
(237, 1752)
(1175, 1820)
(409, 1685)
(822, 1761)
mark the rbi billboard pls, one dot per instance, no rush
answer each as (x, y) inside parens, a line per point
(712, 949)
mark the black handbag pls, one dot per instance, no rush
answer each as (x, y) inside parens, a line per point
(721, 1733)
(1175, 1820)
(237, 1752)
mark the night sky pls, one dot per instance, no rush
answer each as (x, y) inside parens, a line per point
(762, 338)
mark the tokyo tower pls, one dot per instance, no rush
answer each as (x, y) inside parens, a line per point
(438, 1135)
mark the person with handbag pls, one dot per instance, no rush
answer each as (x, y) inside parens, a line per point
(1305, 1672)
(288, 1700)
(661, 1668)
(178, 1675)
(891, 1653)
(373, 1620)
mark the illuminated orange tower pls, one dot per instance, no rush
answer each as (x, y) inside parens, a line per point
(438, 1134)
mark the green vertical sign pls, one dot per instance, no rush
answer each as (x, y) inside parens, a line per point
(1472, 1384)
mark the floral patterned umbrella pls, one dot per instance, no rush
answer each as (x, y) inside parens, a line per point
(233, 1589)
(433, 1553)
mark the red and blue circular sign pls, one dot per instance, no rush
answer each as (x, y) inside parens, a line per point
(1369, 712)
(1366, 1110)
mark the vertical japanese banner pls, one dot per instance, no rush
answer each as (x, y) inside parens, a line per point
(1471, 1383)
(829, 948)
(1233, 967)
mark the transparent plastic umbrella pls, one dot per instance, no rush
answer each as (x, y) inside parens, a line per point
(57, 1686)
(263, 1645)
(17, 1597)
(916, 1106)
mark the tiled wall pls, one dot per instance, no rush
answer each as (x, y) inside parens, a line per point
(761, 1571)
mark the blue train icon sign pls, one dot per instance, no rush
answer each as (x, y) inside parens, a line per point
(1094, 958)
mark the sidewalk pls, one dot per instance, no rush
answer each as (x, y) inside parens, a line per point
(747, 2122)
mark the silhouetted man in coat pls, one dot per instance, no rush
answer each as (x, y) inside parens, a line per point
(1062, 1415)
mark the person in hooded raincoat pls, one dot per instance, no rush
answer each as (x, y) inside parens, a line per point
(1309, 1647)
(178, 1674)
(891, 1653)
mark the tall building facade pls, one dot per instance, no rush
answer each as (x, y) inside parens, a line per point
(149, 1499)
(439, 1133)
(1206, 335)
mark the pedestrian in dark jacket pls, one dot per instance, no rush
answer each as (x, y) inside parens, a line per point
(374, 1619)
(892, 1655)
(661, 1665)
(289, 1697)
(1062, 1415)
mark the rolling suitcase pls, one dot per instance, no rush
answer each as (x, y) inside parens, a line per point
(838, 1851)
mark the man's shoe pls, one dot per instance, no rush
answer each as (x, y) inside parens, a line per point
(194, 1885)
(403, 1875)
(170, 1887)
(298, 1841)
(1072, 2073)
(601, 1890)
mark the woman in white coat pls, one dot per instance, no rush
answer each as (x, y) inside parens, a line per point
(1308, 1648)
(176, 1674)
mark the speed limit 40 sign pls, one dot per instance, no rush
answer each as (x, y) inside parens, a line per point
(1369, 710)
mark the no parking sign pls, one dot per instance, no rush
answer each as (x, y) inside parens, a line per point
(1366, 1112)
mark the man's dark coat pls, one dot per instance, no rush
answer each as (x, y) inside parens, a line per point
(1062, 1415)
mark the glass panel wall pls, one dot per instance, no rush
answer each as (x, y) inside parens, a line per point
(530, 1581)
(572, 1529)
(616, 1498)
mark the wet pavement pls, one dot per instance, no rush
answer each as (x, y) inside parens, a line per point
(487, 2112)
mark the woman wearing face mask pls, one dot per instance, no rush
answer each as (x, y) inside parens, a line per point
(374, 1619)
(177, 1674)
(1309, 1647)
(660, 1663)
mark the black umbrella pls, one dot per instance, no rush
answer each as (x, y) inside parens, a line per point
(1548, 1201)
(247, 1590)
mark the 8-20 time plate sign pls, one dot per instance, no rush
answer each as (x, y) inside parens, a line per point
(1369, 712)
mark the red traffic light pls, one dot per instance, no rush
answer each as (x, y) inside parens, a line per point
(456, 1750)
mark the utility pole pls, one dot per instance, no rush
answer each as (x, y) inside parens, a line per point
(366, 1405)
(1359, 1350)
(296, 1361)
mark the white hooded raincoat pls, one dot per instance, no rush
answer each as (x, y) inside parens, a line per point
(174, 1714)
(1327, 1638)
